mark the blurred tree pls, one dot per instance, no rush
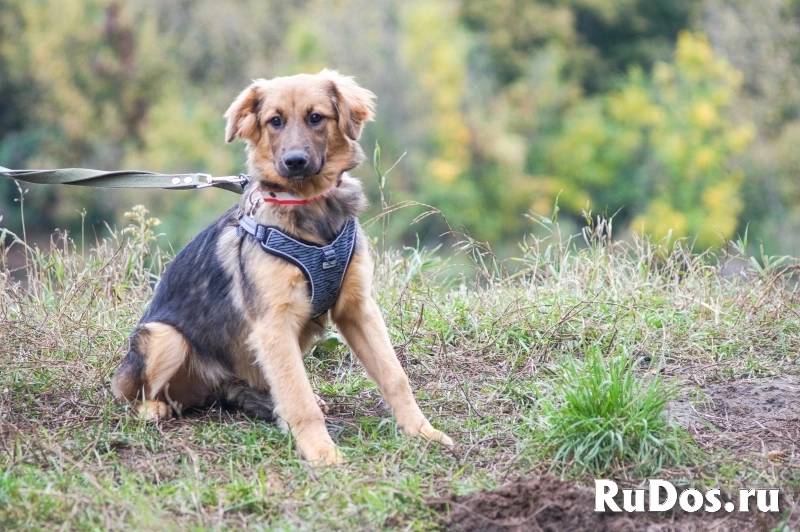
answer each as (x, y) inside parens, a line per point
(499, 104)
(545, 56)
(93, 82)
(605, 37)
(106, 84)
(80, 79)
(474, 169)
(622, 33)
(661, 147)
(762, 40)
(513, 29)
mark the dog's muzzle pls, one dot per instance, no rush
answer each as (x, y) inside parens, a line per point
(296, 165)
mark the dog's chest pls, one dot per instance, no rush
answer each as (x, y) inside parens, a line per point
(322, 266)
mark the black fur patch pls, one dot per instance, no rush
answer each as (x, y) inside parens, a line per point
(130, 377)
(194, 297)
(237, 394)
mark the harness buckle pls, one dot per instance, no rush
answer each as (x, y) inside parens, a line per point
(261, 233)
(329, 260)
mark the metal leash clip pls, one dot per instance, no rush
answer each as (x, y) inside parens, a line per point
(240, 179)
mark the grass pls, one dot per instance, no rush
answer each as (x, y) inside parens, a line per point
(502, 361)
(602, 416)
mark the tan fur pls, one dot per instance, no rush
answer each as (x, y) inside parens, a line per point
(167, 357)
(276, 343)
(271, 293)
(167, 351)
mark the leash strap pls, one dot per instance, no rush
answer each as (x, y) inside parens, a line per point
(125, 179)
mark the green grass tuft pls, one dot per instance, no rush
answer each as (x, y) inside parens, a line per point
(602, 416)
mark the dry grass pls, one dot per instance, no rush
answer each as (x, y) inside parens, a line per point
(481, 349)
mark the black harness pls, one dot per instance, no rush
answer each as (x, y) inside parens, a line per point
(323, 266)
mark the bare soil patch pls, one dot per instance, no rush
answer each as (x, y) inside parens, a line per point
(550, 504)
(748, 416)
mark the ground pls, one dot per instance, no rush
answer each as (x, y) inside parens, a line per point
(483, 347)
(757, 418)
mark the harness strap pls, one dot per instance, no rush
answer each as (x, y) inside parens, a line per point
(248, 225)
(323, 266)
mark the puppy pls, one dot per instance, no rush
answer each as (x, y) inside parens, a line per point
(237, 308)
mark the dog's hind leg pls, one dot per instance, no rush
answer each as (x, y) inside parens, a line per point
(158, 353)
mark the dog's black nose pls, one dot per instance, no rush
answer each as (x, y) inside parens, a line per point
(295, 161)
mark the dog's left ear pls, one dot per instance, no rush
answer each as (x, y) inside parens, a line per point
(354, 103)
(242, 115)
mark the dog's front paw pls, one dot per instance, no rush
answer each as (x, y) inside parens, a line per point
(323, 456)
(424, 429)
(433, 434)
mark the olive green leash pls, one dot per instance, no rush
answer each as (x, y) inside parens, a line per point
(126, 179)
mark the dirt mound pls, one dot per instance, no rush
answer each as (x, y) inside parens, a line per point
(546, 503)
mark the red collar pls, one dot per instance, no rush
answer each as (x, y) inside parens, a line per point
(281, 197)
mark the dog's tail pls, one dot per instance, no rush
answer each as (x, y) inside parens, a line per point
(237, 394)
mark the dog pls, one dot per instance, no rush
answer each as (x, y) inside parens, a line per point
(238, 307)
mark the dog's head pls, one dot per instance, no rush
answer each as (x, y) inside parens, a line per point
(301, 130)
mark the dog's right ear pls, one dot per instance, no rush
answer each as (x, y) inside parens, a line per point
(242, 115)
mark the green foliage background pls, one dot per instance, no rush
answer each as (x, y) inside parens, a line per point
(681, 116)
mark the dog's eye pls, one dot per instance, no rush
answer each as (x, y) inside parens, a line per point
(276, 121)
(315, 118)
